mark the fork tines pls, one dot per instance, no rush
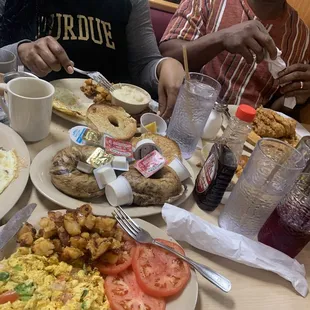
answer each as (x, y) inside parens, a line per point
(126, 222)
(100, 79)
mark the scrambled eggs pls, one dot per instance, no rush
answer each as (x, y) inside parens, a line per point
(45, 283)
(8, 168)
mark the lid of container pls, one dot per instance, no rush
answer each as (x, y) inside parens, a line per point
(246, 113)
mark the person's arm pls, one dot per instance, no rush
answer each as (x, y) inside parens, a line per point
(146, 65)
(188, 27)
(200, 51)
(143, 52)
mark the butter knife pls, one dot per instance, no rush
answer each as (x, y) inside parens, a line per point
(11, 228)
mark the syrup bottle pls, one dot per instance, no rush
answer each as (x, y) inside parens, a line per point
(222, 162)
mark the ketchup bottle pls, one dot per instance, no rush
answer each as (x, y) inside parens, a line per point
(222, 162)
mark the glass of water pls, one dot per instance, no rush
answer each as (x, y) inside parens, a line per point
(192, 110)
(270, 173)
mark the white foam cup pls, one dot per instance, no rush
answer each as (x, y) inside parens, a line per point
(119, 192)
(148, 118)
(180, 169)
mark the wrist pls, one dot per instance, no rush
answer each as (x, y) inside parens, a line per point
(159, 66)
(21, 49)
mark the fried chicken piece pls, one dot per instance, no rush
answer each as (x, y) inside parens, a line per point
(268, 123)
(69, 254)
(78, 243)
(104, 225)
(48, 228)
(71, 225)
(43, 247)
(98, 246)
(26, 235)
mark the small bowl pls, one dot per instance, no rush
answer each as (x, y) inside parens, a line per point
(132, 108)
(148, 118)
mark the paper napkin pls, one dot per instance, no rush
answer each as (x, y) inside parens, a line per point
(275, 67)
(185, 226)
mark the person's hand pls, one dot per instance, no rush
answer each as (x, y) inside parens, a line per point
(296, 82)
(43, 56)
(171, 75)
(248, 39)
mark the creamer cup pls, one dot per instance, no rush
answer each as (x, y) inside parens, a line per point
(145, 147)
(119, 192)
(180, 169)
(104, 175)
(148, 118)
(76, 135)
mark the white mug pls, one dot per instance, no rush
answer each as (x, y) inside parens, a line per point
(7, 61)
(29, 107)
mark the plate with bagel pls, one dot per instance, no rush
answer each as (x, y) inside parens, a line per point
(73, 97)
(56, 175)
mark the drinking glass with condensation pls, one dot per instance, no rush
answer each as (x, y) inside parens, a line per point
(269, 175)
(288, 227)
(192, 110)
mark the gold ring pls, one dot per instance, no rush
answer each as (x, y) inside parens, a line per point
(301, 85)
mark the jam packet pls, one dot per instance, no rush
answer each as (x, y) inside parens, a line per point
(118, 147)
(150, 164)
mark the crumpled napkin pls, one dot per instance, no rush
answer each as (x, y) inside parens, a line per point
(275, 67)
(185, 226)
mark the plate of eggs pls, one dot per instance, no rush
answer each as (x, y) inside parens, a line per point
(14, 168)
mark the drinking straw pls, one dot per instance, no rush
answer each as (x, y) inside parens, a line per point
(185, 60)
(187, 78)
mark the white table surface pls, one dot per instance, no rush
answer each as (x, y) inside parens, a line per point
(251, 288)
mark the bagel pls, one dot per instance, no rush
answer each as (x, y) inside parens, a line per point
(164, 186)
(169, 148)
(112, 120)
(66, 178)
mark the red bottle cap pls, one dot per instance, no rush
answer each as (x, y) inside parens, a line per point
(246, 113)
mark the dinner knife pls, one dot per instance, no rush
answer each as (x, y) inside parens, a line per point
(14, 224)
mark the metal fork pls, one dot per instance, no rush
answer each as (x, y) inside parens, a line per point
(97, 77)
(142, 236)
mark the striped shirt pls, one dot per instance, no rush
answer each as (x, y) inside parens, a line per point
(251, 84)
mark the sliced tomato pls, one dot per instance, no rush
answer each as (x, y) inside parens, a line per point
(124, 293)
(124, 261)
(159, 272)
(9, 296)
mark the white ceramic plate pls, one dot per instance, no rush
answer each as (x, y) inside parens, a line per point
(41, 179)
(186, 301)
(10, 140)
(73, 85)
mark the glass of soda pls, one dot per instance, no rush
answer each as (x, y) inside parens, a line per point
(288, 227)
(268, 176)
(192, 110)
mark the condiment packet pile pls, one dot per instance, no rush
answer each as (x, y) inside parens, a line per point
(185, 226)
